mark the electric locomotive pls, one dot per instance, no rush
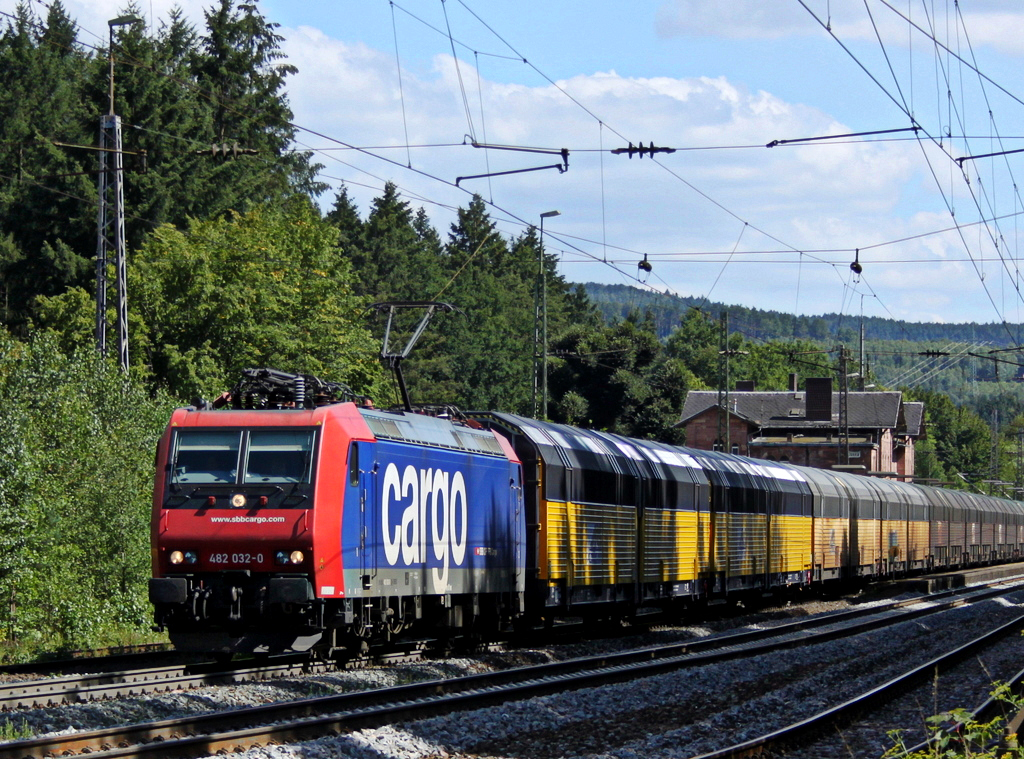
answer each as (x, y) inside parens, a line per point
(287, 523)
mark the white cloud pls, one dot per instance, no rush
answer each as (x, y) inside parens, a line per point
(736, 19)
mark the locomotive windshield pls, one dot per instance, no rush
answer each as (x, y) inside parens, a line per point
(205, 457)
(279, 457)
(257, 457)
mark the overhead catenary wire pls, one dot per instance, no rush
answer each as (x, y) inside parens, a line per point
(722, 271)
(1010, 267)
(401, 89)
(817, 142)
(903, 107)
(451, 40)
(1015, 273)
(604, 122)
(800, 254)
(483, 123)
(458, 71)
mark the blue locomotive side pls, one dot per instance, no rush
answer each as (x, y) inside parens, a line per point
(430, 525)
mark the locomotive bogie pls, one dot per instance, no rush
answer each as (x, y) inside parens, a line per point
(230, 611)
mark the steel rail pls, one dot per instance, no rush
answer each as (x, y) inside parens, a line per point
(94, 685)
(90, 686)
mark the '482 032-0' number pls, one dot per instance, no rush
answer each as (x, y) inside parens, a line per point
(236, 558)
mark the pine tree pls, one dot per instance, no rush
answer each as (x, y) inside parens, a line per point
(491, 346)
(43, 189)
(345, 217)
(240, 71)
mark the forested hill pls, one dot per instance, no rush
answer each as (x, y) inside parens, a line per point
(616, 301)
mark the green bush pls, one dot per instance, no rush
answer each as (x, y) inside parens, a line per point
(955, 734)
(76, 469)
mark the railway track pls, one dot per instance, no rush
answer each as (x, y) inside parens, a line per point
(93, 686)
(104, 684)
(299, 720)
(776, 742)
(99, 659)
(68, 689)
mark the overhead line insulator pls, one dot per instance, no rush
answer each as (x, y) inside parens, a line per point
(225, 149)
(649, 150)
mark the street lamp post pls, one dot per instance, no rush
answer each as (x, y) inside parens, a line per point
(544, 308)
(110, 220)
(114, 22)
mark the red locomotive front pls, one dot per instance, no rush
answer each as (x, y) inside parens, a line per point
(237, 542)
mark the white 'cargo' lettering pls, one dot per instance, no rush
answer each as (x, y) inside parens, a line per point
(434, 513)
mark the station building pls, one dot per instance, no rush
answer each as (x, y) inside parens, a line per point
(807, 427)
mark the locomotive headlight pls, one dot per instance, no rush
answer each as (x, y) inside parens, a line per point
(296, 557)
(177, 557)
(283, 557)
(280, 558)
(191, 557)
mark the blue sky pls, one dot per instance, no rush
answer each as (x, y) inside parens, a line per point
(724, 217)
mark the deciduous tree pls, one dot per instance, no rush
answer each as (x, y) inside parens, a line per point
(265, 288)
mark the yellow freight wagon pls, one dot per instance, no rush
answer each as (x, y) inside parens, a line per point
(866, 554)
(894, 513)
(617, 527)
(918, 547)
(946, 528)
(832, 546)
(790, 526)
(675, 542)
(739, 525)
